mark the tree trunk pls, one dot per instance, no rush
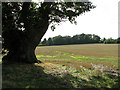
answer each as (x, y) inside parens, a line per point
(23, 53)
(22, 45)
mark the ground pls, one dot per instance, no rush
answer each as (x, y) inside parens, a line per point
(67, 66)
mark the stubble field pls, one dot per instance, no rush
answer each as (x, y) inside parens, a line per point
(86, 54)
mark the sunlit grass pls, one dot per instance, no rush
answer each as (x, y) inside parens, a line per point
(39, 56)
(113, 61)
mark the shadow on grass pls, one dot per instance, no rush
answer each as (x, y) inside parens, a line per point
(31, 76)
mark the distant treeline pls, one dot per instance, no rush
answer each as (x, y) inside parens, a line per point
(78, 39)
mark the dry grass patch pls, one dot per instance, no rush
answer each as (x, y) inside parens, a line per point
(48, 66)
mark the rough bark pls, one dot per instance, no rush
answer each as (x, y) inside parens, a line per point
(23, 44)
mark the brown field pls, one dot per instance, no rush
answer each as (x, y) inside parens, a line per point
(82, 54)
(83, 49)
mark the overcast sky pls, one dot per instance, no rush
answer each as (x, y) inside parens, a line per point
(102, 21)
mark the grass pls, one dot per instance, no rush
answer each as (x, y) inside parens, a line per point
(28, 76)
(48, 75)
(67, 66)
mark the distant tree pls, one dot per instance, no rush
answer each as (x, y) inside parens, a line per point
(86, 38)
(67, 39)
(49, 42)
(118, 40)
(57, 40)
(96, 38)
(76, 39)
(90, 38)
(82, 38)
(110, 41)
(102, 40)
(79, 39)
(44, 41)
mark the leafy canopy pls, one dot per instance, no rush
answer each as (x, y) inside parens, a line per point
(27, 15)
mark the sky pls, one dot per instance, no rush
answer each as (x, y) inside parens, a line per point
(102, 21)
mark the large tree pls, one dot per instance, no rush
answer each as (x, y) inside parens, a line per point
(25, 23)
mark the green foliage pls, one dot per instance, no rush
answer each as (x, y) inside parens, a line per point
(79, 39)
(49, 41)
(76, 39)
(29, 14)
(44, 42)
(110, 41)
(118, 40)
(53, 27)
(102, 40)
